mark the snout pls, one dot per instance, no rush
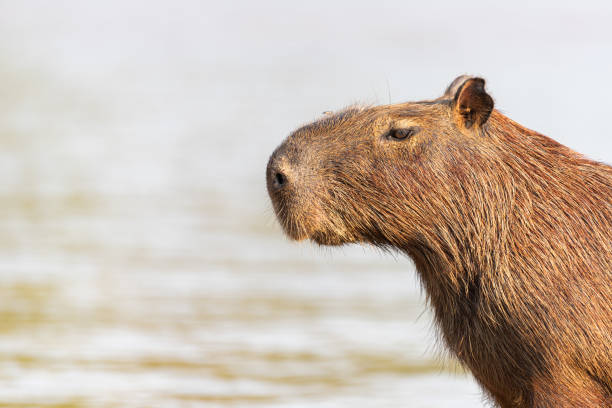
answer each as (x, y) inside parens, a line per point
(289, 193)
(299, 186)
(278, 174)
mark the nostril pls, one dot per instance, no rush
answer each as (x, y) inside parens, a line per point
(280, 180)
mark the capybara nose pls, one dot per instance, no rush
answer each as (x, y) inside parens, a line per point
(279, 180)
(277, 175)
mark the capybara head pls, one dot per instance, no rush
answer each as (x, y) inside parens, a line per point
(379, 174)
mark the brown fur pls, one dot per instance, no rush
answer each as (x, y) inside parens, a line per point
(510, 231)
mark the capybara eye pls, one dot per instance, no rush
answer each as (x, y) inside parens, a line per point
(402, 134)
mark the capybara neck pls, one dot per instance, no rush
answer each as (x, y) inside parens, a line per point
(502, 219)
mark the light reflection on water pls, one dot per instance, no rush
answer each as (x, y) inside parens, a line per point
(140, 262)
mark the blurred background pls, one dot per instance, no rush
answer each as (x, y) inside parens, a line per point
(140, 261)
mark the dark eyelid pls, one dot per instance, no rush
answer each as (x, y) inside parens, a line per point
(400, 134)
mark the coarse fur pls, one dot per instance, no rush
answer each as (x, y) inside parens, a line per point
(510, 232)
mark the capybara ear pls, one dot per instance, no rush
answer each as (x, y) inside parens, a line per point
(472, 105)
(454, 86)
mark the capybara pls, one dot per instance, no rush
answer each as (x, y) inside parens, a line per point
(510, 232)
